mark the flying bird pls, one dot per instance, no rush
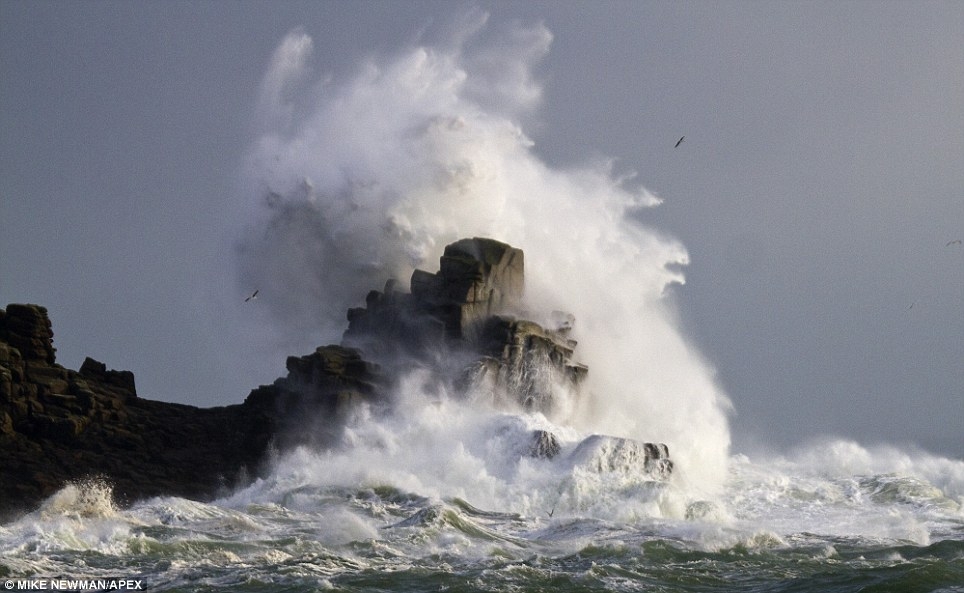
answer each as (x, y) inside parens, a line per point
(954, 242)
(254, 295)
(680, 141)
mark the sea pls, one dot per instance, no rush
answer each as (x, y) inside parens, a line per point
(400, 508)
(357, 178)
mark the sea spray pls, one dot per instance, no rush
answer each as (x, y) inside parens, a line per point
(92, 497)
(364, 179)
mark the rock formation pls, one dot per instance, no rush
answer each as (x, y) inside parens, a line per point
(477, 279)
(464, 323)
(466, 312)
(321, 388)
(58, 425)
(604, 454)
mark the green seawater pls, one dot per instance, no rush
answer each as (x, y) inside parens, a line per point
(653, 565)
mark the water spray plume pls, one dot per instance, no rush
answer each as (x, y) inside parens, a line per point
(361, 180)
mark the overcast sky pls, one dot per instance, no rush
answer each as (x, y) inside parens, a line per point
(817, 191)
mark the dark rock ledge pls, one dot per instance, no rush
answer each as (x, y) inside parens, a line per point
(463, 323)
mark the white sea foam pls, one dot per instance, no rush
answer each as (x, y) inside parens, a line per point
(842, 489)
(372, 509)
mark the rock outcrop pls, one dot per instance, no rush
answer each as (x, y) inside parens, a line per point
(322, 388)
(477, 278)
(465, 316)
(464, 323)
(59, 425)
(605, 454)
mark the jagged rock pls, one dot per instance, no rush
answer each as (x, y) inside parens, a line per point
(122, 382)
(604, 454)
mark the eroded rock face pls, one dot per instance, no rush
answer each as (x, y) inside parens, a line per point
(27, 328)
(477, 278)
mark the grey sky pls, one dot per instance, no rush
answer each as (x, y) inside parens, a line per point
(821, 177)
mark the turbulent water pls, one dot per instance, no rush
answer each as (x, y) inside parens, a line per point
(352, 181)
(469, 518)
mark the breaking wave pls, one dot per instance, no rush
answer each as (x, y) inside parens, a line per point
(356, 181)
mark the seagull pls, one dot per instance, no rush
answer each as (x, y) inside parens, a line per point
(552, 512)
(254, 295)
(680, 141)
(954, 242)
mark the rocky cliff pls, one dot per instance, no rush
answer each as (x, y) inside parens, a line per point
(58, 425)
(463, 323)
